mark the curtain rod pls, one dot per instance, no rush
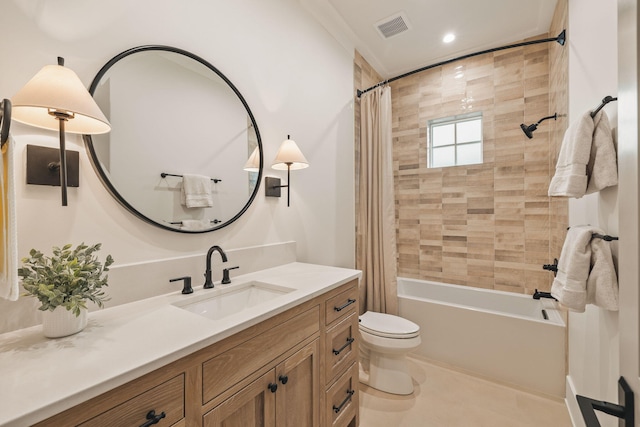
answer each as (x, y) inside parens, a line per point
(560, 39)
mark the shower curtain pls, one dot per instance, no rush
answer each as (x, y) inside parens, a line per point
(376, 229)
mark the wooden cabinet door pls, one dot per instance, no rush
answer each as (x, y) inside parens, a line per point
(253, 406)
(297, 398)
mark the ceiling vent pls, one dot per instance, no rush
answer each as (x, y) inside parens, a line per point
(393, 25)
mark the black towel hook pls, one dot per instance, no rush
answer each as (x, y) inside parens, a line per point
(607, 99)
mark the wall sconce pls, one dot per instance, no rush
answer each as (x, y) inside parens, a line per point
(56, 99)
(253, 163)
(528, 130)
(289, 157)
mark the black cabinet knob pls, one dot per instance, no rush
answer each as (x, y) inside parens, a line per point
(283, 379)
(273, 387)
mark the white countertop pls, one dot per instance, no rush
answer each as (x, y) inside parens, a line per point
(40, 377)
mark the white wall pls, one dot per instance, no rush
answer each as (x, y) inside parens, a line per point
(295, 77)
(593, 335)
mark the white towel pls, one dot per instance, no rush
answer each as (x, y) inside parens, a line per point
(570, 284)
(195, 224)
(602, 284)
(8, 229)
(570, 179)
(196, 191)
(586, 271)
(602, 169)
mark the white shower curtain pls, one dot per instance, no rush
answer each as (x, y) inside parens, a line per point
(376, 229)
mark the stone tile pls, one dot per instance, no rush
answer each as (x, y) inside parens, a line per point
(446, 397)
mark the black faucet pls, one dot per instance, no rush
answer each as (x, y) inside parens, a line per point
(208, 283)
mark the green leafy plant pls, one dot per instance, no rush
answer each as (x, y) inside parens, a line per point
(69, 278)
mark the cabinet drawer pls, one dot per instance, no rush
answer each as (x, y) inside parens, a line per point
(340, 305)
(167, 398)
(227, 369)
(342, 399)
(341, 348)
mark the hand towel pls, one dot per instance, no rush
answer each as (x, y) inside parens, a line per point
(602, 169)
(196, 191)
(195, 224)
(570, 284)
(8, 230)
(570, 179)
(602, 284)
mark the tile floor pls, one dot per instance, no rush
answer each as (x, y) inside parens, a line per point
(448, 398)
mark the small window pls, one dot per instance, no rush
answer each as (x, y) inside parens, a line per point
(455, 141)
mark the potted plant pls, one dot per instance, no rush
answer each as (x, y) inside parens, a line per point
(63, 283)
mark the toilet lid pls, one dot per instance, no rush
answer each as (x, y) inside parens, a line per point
(388, 325)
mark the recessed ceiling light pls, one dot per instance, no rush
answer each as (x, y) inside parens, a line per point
(448, 38)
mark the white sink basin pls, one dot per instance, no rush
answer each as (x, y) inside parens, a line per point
(221, 302)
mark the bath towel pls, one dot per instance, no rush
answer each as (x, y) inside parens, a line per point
(602, 284)
(602, 169)
(570, 284)
(195, 224)
(570, 179)
(8, 230)
(196, 191)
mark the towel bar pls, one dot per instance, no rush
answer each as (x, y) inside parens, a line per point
(605, 237)
(164, 175)
(213, 221)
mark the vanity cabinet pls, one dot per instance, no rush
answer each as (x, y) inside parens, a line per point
(298, 368)
(286, 396)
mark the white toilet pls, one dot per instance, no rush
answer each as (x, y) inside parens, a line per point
(385, 342)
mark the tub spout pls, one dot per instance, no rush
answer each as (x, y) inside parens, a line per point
(537, 295)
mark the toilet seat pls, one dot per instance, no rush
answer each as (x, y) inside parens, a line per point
(388, 326)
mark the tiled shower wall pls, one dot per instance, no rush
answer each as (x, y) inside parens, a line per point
(490, 225)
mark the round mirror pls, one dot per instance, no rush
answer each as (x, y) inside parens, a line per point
(184, 152)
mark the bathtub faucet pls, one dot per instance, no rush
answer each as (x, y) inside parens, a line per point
(537, 295)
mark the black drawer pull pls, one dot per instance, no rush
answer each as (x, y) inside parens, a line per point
(347, 344)
(347, 304)
(272, 387)
(337, 409)
(283, 379)
(153, 418)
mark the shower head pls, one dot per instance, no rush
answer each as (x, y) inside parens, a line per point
(528, 130)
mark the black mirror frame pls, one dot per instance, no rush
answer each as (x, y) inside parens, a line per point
(105, 179)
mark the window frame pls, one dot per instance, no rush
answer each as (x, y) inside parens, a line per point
(461, 118)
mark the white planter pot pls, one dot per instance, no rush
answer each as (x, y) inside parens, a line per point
(62, 322)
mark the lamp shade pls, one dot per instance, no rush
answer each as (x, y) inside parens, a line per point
(253, 163)
(289, 155)
(57, 88)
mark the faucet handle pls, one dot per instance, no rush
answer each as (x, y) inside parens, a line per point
(186, 289)
(225, 274)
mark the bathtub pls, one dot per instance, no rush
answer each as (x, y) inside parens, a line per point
(502, 336)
